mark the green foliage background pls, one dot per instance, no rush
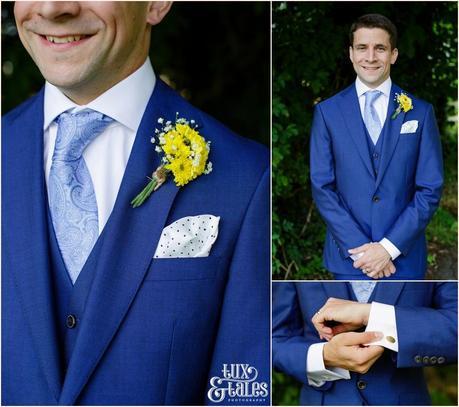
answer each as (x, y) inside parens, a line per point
(215, 53)
(311, 63)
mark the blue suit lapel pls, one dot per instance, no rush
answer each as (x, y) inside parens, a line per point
(350, 109)
(336, 290)
(388, 292)
(26, 235)
(391, 134)
(129, 241)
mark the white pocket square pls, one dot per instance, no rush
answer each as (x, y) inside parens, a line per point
(409, 127)
(192, 236)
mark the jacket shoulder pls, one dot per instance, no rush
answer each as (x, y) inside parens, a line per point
(18, 112)
(332, 100)
(226, 145)
(418, 103)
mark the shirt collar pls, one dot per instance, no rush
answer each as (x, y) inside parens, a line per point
(384, 88)
(125, 102)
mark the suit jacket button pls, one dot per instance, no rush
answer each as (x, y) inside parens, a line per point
(361, 384)
(375, 155)
(440, 360)
(71, 321)
(433, 360)
(426, 359)
(376, 199)
(418, 359)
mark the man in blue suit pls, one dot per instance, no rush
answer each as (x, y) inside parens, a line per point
(318, 339)
(376, 165)
(100, 303)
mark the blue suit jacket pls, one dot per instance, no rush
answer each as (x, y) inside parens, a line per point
(154, 331)
(359, 207)
(426, 315)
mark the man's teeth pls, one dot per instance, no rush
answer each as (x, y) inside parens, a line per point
(64, 40)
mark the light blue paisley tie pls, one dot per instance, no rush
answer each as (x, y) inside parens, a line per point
(370, 117)
(72, 199)
(363, 290)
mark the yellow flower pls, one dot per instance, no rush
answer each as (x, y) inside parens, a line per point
(174, 144)
(182, 169)
(405, 102)
(186, 153)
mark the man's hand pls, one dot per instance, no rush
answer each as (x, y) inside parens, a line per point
(338, 316)
(346, 350)
(374, 260)
(386, 272)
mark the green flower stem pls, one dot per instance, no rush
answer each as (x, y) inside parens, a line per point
(146, 192)
(396, 113)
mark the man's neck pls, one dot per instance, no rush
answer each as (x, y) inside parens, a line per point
(136, 88)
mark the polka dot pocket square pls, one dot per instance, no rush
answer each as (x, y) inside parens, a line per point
(409, 127)
(192, 236)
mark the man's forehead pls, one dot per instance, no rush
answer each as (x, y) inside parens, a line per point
(375, 35)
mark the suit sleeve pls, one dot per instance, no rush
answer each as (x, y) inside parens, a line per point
(244, 327)
(291, 340)
(428, 187)
(342, 225)
(428, 336)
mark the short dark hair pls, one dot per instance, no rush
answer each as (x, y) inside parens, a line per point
(375, 21)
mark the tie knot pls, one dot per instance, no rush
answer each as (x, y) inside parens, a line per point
(371, 96)
(75, 132)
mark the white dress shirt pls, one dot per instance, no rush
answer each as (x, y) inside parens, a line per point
(381, 319)
(107, 155)
(381, 105)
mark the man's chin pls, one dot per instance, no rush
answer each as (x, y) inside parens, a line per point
(64, 78)
(371, 81)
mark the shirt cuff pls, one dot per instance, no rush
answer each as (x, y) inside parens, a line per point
(356, 256)
(382, 319)
(315, 368)
(390, 247)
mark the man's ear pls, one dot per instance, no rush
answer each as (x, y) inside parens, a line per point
(157, 10)
(393, 56)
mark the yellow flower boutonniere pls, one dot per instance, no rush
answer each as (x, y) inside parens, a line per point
(185, 155)
(405, 104)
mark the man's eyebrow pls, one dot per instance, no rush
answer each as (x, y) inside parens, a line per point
(366, 45)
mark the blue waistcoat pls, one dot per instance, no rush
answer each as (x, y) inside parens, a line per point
(69, 299)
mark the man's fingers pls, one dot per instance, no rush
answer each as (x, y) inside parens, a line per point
(359, 249)
(339, 329)
(373, 274)
(362, 262)
(371, 352)
(359, 338)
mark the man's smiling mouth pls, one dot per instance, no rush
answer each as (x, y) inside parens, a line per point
(64, 40)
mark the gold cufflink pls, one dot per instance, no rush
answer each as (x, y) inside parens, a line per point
(390, 339)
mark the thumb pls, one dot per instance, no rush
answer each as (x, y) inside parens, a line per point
(360, 338)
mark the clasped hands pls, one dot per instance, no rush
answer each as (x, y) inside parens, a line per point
(375, 261)
(337, 322)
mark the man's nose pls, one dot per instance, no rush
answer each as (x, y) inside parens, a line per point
(371, 55)
(53, 10)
